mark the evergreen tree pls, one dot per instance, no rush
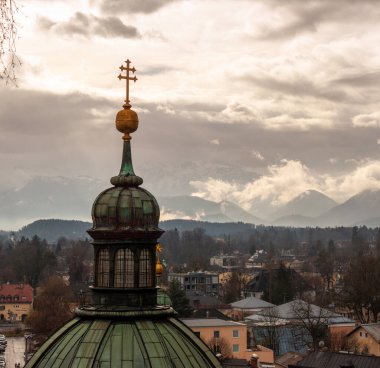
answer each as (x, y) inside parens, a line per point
(331, 248)
(179, 301)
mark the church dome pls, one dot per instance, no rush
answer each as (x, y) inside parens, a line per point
(120, 207)
(124, 342)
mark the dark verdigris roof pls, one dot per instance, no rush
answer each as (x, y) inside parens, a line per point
(319, 359)
(136, 343)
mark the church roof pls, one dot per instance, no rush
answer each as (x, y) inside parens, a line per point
(132, 343)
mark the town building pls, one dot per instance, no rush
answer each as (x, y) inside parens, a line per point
(365, 339)
(223, 335)
(286, 328)
(16, 302)
(226, 261)
(202, 282)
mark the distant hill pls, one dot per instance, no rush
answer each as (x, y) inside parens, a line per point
(295, 221)
(213, 229)
(53, 229)
(358, 209)
(309, 204)
(195, 208)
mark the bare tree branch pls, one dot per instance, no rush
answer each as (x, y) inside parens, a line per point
(8, 36)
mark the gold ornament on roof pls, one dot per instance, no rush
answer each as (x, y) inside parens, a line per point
(159, 267)
(127, 120)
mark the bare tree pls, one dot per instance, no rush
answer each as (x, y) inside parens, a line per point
(8, 36)
(233, 287)
(220, 345)
(271, 321)
(313, 319)
(51, 307)
(362, 288)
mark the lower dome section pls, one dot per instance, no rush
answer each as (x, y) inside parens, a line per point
(124, 343)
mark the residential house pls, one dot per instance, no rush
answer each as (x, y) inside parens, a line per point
(226, 261)
(16, 301)
(227, 337)
(284, 327)
(197, 282)
(366, 339)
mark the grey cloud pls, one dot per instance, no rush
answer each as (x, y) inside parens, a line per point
(51, 134)
(156, 70)
(47, 113)
(360, 80)
(132, 6)
(89, 25)
(306, 19)
(299, 87)
(308, 15)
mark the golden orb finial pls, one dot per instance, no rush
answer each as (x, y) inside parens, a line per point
(159, 267)
(127, 120)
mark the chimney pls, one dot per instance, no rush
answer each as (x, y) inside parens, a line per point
(254, 362)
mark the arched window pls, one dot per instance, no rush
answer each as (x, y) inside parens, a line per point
(124, 268)
(145, 273)
(103, 268)
(16, 298)
(2, 298)
(9, 298)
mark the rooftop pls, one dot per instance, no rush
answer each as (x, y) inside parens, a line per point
(372, 328)
(319, 359)
(131, 343)
(297, 309)
(23, 291)
(209, 322)
(251, 303)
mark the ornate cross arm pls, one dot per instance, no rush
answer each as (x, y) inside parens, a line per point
(128, 78)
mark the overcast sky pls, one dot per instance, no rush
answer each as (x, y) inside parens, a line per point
(284, 95)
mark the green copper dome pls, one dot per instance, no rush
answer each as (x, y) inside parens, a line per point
(130, 343)
(125, 208)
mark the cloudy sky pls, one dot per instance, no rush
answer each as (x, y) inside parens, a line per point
(240, 99)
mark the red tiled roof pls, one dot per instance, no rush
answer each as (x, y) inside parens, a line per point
(23, 291)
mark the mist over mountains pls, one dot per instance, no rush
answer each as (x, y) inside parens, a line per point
(71, 198)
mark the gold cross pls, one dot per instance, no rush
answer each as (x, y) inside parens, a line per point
(128, 78)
